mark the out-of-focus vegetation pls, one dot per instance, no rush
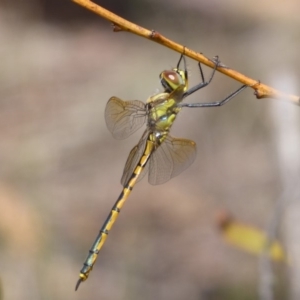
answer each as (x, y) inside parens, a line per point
(60, 169)
(248, 238)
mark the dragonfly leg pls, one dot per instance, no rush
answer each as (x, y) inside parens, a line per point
(214, 104)
(203, 83)
(182, 57)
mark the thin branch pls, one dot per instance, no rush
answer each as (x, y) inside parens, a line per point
(120, 24)
(266, 272)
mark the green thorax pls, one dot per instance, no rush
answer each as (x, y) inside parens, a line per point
(162, 112)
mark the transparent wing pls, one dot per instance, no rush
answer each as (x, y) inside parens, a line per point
(133, 159)
(124, 117)
(171, 158)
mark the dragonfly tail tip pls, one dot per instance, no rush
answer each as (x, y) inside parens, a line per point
(78, 284)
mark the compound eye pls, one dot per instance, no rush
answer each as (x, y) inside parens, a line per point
(172, 77)
(171, 80)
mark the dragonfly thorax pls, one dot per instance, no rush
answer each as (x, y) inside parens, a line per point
(162, 112)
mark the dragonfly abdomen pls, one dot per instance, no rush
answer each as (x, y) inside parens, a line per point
(114, 213)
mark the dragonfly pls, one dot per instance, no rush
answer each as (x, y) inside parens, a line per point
(157, 153)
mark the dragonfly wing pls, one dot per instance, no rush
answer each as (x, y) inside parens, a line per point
(171, 158)
(124, 117)
(133, 159)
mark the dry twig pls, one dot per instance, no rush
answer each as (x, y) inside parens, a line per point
(120, 24)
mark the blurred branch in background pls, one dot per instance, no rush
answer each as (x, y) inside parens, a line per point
(288, 147)
(120, 24)
(267, 277)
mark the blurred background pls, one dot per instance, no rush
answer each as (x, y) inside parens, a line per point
(60, 168)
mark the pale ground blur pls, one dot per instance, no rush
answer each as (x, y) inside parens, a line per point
(60, 168)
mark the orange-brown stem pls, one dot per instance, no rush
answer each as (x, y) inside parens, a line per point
(120, 24)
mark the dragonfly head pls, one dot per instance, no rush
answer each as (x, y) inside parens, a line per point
(172, 79)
